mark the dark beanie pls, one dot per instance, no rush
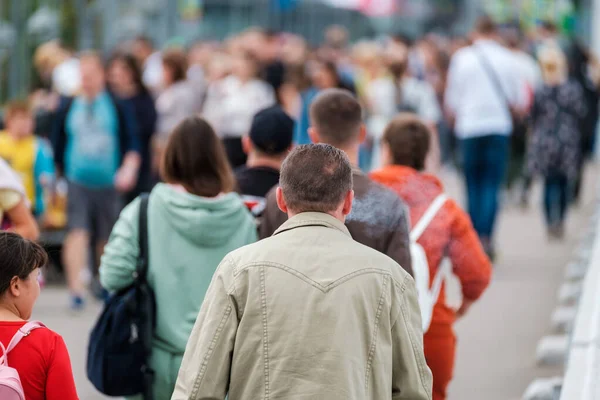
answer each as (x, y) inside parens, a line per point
(272, 130)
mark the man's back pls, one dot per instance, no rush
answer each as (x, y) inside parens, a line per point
(379, 220)
(481, 81)
(317, 316)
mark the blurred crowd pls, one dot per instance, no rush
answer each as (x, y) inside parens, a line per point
(502, 106)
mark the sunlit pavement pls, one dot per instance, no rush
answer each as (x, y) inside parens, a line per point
(497, 339)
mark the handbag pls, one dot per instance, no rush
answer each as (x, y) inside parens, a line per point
(519, 133)
(121, 341)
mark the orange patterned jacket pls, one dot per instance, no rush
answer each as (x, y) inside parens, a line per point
(450, 234)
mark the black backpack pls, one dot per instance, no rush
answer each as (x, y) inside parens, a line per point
(121, 341)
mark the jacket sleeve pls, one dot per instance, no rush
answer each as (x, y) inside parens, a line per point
(398, 246)
(411, 377)
(469, 261)
(206, 365)
(119, 260)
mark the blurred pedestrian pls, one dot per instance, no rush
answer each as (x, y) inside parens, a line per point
(555, 146)
(15, 214)
(268, 53)
(296, 94)
(245, 94)
(31, 157)
(125, 81)
(419, 97)
(97, 150)
(449, 237)
(484, 92)
(268, 143)
(150, 62)
(377, 91)
(379, 219)
(325, 75)
(38, 354)
(59, 67)
(316, 352)
(194, 219)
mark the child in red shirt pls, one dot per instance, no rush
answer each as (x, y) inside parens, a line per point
(41, 358)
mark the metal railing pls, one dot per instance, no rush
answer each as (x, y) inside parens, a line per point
(582, 378)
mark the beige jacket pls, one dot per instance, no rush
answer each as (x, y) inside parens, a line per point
(307, 314)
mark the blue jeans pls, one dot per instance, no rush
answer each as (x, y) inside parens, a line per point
(556, 198)
(485, 161)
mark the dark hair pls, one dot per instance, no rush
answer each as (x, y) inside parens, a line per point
(549, 26)
(134, 69)
(196, 159)
(19, 257)
(337, 116)
(315, 177)
(176, 61)
(408, 139)
(485, 26)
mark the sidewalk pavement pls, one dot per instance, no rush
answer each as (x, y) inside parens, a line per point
(496, 340)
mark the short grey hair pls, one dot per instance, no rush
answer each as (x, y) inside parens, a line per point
(315, 178)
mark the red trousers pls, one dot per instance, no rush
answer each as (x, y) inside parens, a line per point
(440, 349)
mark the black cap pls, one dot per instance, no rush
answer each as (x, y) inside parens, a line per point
(272, 130)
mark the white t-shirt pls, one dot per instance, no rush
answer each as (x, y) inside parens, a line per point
(240, 102)
(471, 94)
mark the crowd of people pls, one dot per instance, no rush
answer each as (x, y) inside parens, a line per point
(220, 136)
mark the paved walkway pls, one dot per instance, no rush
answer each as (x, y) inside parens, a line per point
(497, 340)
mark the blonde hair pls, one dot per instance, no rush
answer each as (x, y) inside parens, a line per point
(553, 64)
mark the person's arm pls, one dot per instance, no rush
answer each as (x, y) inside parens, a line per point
(120, 256)
(22, 221)
(470, 263)
(206, 365)
(411, 378)
(127, 175)
(60, 384)
(59, 134)
(398, 247)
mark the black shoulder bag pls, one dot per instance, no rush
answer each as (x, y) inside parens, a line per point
(519, 133)
(121, 341)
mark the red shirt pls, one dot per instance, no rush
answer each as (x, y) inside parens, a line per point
(42, 361)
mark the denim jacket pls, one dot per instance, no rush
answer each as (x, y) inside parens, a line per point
(307, 314)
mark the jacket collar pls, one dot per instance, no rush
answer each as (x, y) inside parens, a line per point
(313, 219)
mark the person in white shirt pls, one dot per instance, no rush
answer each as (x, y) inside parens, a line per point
(244, 95)
(484, 89)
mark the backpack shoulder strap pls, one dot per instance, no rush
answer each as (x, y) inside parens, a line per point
(429, 215)
(143, 259)
(25, 330)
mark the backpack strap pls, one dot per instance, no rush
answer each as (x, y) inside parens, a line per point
(429, 215)
(23, 331)
(143, 259)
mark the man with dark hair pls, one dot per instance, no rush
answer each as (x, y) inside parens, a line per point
(379, 218)
(484, 92)
(339, 290)
(268, 143)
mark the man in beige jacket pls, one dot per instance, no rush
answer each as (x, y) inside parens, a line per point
(308, 313)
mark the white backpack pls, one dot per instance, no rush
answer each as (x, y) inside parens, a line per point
(10, 382)
(428, 294)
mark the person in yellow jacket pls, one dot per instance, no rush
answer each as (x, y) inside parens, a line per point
(31, 157)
